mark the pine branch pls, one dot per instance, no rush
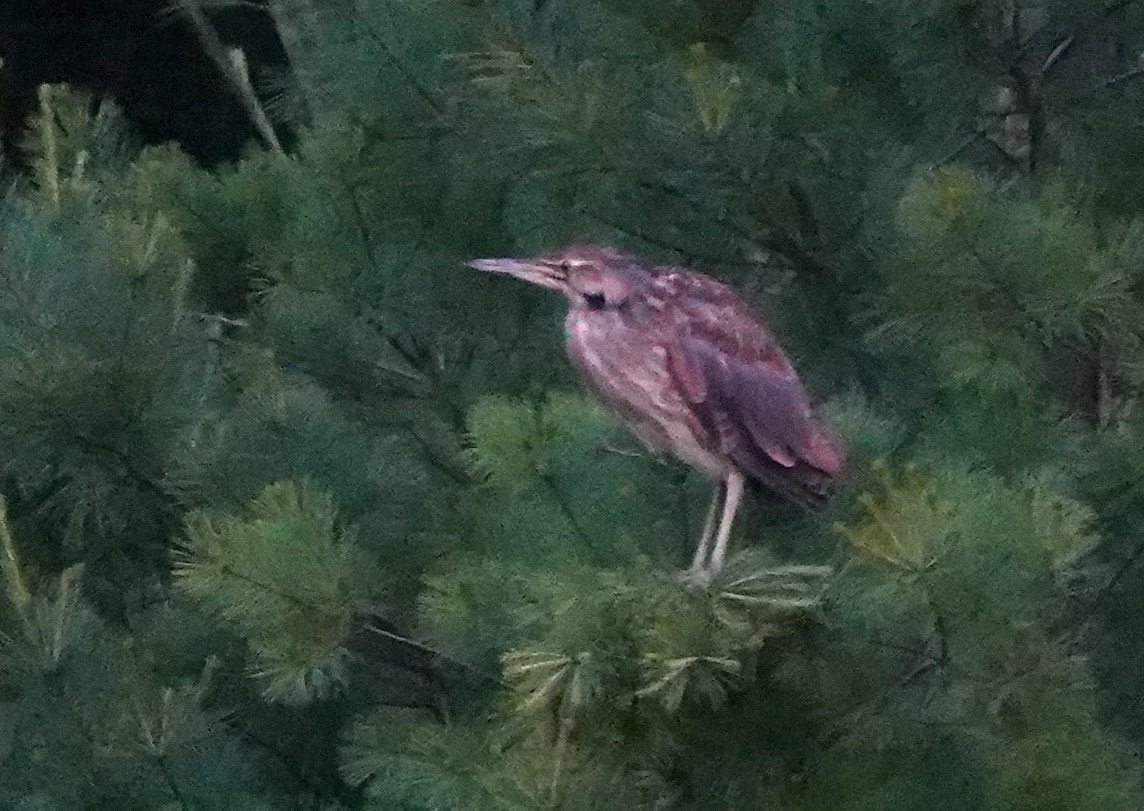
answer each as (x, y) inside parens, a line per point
(922, 662)
(360, 222)
(456, 473)
(782, 246)
(164, 501)
(649, 238)
(231, 64)
(940, 627)
(290, 18)
(1114, 581)
(570, 516)
(50, 145)
(17, 589)
(365, 626)
(1124, 77)
(431, 101)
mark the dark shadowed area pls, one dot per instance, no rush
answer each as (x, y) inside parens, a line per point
(148, 60)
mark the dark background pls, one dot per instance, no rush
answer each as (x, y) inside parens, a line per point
(135, 52)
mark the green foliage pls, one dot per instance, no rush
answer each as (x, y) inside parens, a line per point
(304, 513)
(81, 145)
(532, 458)
(289, 579)
(409, 762)
(88, 719)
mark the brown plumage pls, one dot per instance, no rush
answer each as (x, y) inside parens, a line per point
(694, 371)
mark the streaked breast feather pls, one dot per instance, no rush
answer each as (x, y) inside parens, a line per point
(630, 374)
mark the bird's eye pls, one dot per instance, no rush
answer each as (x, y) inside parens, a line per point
(595, 301)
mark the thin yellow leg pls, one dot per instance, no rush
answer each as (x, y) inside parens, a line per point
(708, 532)
(730, 506)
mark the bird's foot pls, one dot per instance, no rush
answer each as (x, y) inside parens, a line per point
(697, 576)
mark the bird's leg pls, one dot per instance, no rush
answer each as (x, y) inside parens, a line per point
(734, 488)
(708, 532)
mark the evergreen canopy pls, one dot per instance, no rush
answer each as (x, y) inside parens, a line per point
(299, 512)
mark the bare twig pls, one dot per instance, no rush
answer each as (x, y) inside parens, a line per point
(962, 145)
(1125, 567)
(1127, 75)
(1055, 55)
(231, 63)
(290, 17)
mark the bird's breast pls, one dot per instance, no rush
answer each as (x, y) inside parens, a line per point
(626, 365)
(621, 361)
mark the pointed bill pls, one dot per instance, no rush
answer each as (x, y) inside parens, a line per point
(532, 271)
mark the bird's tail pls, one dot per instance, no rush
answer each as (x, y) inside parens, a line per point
(818, 466)
(802, 485)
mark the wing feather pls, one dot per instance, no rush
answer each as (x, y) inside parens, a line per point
(745, 392)
(756, 409)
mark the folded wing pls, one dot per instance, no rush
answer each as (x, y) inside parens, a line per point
(755, 411)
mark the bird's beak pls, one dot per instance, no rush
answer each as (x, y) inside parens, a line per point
(532, 271)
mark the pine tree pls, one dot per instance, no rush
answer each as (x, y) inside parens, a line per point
(300, 512)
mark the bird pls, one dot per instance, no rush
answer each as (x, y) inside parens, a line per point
(695, 372)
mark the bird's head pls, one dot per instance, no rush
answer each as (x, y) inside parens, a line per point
(597, 277)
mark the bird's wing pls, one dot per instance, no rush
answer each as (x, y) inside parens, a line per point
(742, 387)
(758, 417)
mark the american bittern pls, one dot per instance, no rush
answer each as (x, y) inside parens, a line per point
(694, 372)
